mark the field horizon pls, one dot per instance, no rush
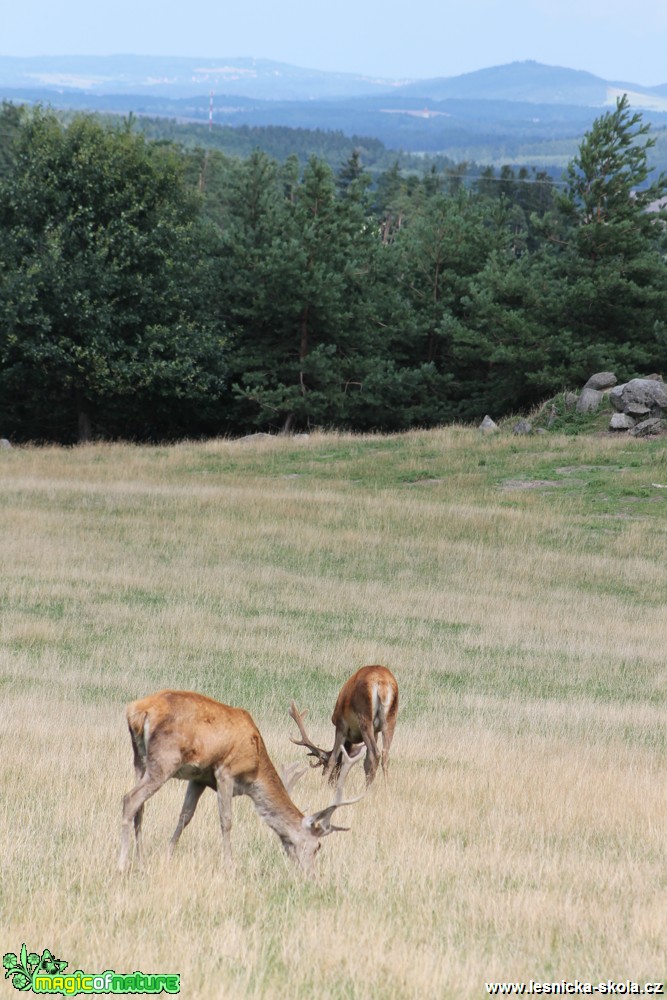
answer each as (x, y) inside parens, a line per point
(516, 588)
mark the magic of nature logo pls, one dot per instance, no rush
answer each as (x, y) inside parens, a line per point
(46, 974)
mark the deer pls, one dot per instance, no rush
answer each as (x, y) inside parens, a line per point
(189, 736)
(367, 704)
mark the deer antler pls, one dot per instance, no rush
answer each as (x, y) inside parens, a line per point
(320, 822)
(321, 756)
(290, 775)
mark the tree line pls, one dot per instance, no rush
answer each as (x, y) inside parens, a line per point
(153, 292)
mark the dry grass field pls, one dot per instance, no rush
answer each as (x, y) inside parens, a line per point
(516, 587)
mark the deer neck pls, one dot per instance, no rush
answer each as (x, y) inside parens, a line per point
(271, 801)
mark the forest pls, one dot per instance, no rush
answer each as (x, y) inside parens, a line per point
(151, 291)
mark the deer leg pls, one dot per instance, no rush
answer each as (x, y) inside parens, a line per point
(388, 726)
(387, 737)
(193, 793)
(372, 753)
(332, 766)
(133, 804)
(225, 784)
(139, 771)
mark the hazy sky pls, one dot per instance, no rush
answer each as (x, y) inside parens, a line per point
(614, 39)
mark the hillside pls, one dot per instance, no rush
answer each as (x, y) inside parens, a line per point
(177, 77)
(264, 79)
(490, 116)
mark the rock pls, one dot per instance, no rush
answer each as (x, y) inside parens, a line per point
(553, 416)
(488, 425)
(640, 392)
(601, 381)
(4, 443)
(647, 428)
(621, 422)
(648, 391)
(255, 437)
(522, 427)
(616, 398)
(636, 409)
(588, 401)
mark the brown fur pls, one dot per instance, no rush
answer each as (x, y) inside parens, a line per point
(181, 734)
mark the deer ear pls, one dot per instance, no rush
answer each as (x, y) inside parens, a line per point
(322, 829)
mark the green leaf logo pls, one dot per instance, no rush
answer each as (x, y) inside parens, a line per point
(23, 967)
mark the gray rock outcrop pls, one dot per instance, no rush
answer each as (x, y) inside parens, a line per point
(646, 428)
(601, 381)
(639, 395)
(589, 400)
(640, 405)
(621, 422)
(594, 391)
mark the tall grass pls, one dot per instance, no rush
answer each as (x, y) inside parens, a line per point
(517, 589)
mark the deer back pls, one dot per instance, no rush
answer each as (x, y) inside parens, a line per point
(184, 731)
(369, 695)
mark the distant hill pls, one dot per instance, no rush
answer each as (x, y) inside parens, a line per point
(178, 77)
(526, 82)
(491, 115)
(264, 79)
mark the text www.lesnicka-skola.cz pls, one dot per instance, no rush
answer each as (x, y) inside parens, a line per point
(576, 987)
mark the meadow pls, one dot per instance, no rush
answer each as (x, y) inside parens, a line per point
(517, 588)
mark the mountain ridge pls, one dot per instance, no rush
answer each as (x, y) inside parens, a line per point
(266, 79)
(522, 111)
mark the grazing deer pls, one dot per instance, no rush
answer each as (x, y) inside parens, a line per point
(180, 734)
(367, 705)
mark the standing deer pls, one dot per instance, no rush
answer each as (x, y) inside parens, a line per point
(180, 734)
(367, 705)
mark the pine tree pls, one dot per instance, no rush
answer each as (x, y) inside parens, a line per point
(613, 262)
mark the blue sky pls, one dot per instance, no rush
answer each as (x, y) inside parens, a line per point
(614, 39)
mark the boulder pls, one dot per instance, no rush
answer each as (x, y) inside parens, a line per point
(616, 398)
(646, 428)
(589, 400)
(522, 427)
(640, 392)
(621, 422)
(488, 425)
(636, 409)
(601, 381)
